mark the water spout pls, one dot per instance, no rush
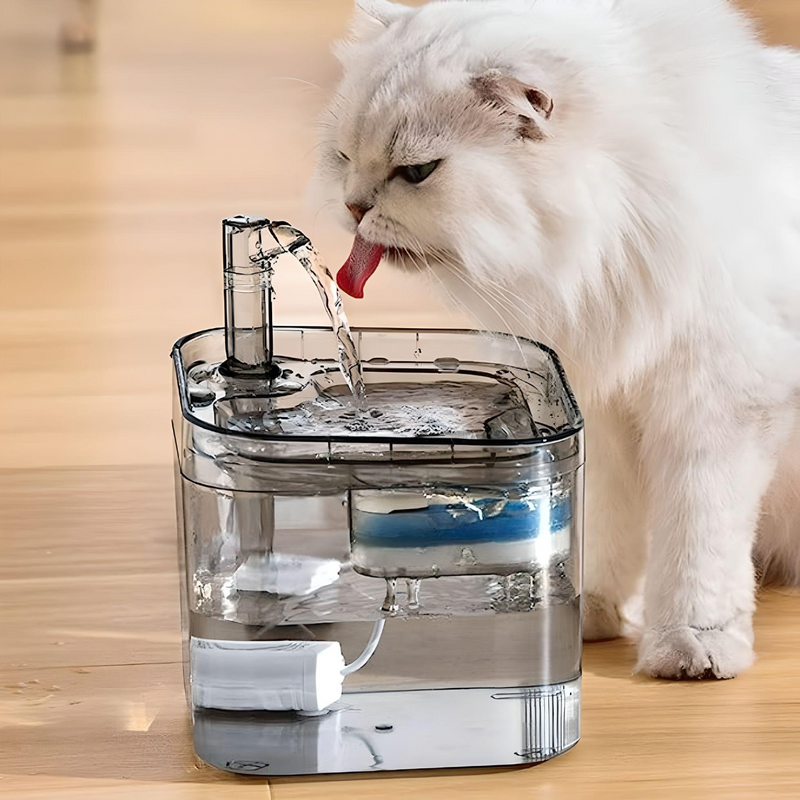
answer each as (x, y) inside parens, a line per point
(252, 247)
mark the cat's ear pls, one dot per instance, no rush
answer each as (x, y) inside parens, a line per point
(372, 18)
(532, 105)
(382, 11)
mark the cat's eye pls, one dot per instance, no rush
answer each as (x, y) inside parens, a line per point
(416, 173)
(342, 155)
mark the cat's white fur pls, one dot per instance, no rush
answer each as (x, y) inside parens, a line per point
(648, 228)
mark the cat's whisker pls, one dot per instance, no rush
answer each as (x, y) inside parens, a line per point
(537, 311)
(325, 205)
(431, 273)
(493, 307)
(319, 145)
(298, 80)
(517, 304)
(454, 299)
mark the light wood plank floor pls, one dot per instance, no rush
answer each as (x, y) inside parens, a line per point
(115, 170)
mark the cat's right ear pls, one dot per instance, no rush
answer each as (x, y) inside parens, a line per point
(531, 105)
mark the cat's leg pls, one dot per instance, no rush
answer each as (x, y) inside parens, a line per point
(707, 469)
(614, 542)
(778, 544)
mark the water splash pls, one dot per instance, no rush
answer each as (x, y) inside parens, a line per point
(398, 409)
(412, 592)
(349, 361)
(390, 604)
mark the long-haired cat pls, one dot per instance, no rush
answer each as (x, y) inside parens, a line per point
(620, 179)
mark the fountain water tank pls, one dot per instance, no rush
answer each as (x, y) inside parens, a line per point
(379, 582)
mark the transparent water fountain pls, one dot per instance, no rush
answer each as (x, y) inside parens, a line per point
(380, 536)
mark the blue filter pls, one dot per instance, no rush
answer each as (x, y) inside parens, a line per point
(422, 534)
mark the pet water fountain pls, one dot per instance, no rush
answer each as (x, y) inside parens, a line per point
(380, 536)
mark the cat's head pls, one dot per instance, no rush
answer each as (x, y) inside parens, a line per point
(443, 130)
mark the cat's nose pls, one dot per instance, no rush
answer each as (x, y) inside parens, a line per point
(358, 212)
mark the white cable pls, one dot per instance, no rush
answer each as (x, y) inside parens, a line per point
(372, 646)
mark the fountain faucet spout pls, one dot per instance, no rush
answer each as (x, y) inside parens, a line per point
(251, 248)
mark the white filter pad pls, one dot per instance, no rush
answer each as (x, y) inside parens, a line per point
(286, 574)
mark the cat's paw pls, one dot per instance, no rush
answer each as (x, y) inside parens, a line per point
(695, 653)
(601, 619)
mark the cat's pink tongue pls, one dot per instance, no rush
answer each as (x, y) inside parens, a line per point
(361, 263)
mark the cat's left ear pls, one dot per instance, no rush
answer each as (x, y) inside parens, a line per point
(383, 11)
(532, 105)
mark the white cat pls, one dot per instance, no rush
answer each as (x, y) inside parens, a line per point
(621, 179)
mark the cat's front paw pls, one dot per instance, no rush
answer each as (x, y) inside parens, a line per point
(695, 653)
(601, 619)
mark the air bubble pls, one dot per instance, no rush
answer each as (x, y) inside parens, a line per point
(447, 364)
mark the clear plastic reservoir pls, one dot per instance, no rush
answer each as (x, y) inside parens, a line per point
(447, 503)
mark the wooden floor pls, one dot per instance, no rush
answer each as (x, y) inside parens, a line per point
(115, 170)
